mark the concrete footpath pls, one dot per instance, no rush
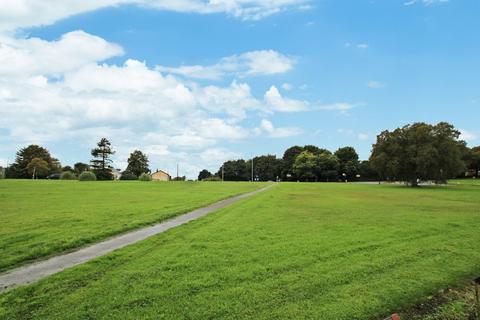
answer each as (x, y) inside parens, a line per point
(39, 270)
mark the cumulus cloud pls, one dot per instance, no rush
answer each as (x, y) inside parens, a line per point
(467, 135)
(16, 14)
(276, 102)
(253, 63)
(267, 126)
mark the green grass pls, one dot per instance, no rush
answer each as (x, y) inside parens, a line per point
(465, 182)
(40, 218)
(297, 251)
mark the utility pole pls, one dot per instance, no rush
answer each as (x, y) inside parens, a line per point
(177, 171)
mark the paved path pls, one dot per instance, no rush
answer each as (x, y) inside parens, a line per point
(36, 271)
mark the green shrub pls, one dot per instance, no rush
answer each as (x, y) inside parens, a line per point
(87, 176)
(214, 178)
(2, 173)
(128, 176)
(145, 177)
(68, 175)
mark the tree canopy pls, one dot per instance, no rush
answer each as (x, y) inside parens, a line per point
(204, 174)
(419, 152)
(101, 163)
(137, 163)
(24, 156)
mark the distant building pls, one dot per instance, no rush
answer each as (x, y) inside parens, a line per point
(160, 175)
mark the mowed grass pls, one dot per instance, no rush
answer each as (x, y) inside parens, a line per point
(297, 251)
(40, 218)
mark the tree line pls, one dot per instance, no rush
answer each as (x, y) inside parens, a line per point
(413, 153)
(36, 162)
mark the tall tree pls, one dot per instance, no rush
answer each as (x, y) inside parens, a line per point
(138, 163)
(288, 160)
(235, 170)
(37, 168)
(472, 160)
(306, 166)
(266, 168)
(101, 163)
(327, 167)
(204, 174)
(419, 152)
(26, 155)
(348, 162)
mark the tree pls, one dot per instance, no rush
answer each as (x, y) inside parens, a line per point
(204, 174)
(26, 155)
(327, 167)
(265, 168)
(419, 152)
(366, 172)
(348, 162)
(80, 167)
(67, 168)
(234, 170)
(102, 163)
(288, 161)
(472, 160)
(138, 163)
(37, 168)
(306, 166)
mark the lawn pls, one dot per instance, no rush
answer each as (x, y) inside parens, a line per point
(297, 251)
(40, 218)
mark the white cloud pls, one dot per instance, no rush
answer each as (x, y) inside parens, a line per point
(362, 46)
(16, 14)
(467, 135)
(363, 136)
(253, 63)
(276, 102)
(425, 2)
(376, 84)
(287, 86)
(267, 126)
(343, 107)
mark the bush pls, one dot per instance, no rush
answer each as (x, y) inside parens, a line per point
(68, 175)
(87, 176)
(2, 173)
(145, 177)
(128, 176)
(214, 178)
(104, 174)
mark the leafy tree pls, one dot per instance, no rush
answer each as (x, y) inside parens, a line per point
(327, 167)
(67, 168)
(366, 172)
(204, 174)
(2, 173)
(138, 163)
(80, 167)
(348, 162)
(419, 152)
(26, 155)
(37, 168)
(101, 163)
(126, 175)
(265, 168)
(288, 160)
(306, 166)
(235, 170)
(472, 160)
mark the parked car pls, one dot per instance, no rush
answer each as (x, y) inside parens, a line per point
(54, 176)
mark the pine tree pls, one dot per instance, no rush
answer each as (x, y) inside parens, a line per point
(102, 163)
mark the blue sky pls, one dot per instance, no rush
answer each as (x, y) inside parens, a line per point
(205, 83)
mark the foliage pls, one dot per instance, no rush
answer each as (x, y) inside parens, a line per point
(179, 178)
(327, 167)
(419, 152)
(101, 163)
(234, 170)
(348, 162)
(128, 176)
(297, 251)
(87, 176)
(213, 178)
(305, 166)
(37, 168)
(266, 168)
(145, 177)
(2, 173)
(68, 168)
(288, 160)
(138, 163)
(472, 160)
(25, 155)
(366, 172)
(68, 175)
(44, 217)
(204, 174)
(80, 167)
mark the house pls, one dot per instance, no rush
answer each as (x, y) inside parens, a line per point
(160, 175)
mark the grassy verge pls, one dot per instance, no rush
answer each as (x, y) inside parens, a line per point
(41, 218)
(298, 251)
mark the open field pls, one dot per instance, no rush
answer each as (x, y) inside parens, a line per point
(41, 218)
(297, 251)
(465, 182)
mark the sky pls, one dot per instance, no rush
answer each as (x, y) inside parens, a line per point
(195, 82)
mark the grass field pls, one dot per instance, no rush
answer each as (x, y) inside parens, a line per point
(297, 251)
(41, 218)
